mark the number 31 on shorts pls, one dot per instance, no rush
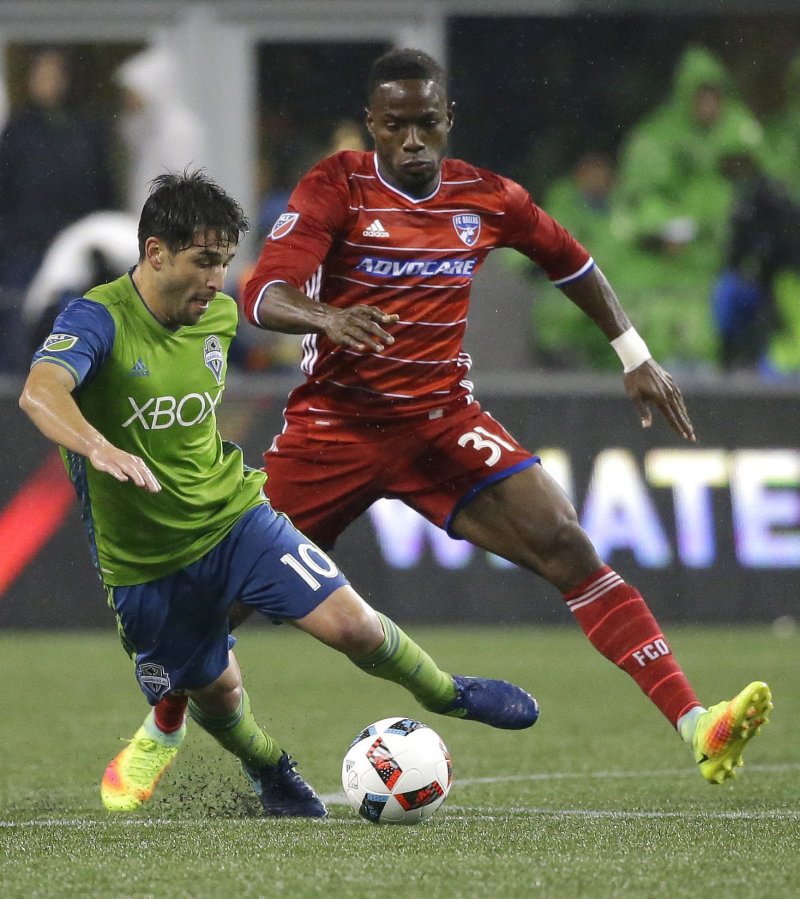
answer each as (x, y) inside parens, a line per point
(481, 439)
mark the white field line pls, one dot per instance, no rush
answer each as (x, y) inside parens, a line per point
(339, 799)
(479, 812)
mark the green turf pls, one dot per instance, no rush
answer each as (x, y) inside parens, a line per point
(600, 799)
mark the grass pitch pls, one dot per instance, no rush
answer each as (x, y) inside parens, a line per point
(599, 799)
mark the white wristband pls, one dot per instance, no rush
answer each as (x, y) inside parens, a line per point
(631, 349)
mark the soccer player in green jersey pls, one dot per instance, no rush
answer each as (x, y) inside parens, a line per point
(127, 384)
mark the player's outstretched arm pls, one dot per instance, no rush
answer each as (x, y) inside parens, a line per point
(286, 309)
(646, 382)
(47, 400)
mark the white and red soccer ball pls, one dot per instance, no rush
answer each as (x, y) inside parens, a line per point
(397, 771)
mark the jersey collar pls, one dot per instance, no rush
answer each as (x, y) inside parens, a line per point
(402, 194)
(145, 312)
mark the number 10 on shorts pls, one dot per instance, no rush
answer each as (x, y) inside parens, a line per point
(312, 559)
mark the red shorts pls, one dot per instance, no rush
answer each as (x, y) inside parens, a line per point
(324, 472)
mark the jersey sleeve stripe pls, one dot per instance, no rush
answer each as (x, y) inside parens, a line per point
(260, 297)
(62, 362)
(575, 276)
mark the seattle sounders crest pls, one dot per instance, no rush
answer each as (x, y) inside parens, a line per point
(212, 355)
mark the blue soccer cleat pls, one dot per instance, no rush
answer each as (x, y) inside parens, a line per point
(282, 792)
(494, 702)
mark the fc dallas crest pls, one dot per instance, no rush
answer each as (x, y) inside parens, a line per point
(468, 227)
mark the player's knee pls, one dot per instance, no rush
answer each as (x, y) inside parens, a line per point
(359, 633)
(221, 697)
(344, 622)
(361, 638)
(566, 550)
(568, 537)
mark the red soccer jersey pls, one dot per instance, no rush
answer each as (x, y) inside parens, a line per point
(349, 238)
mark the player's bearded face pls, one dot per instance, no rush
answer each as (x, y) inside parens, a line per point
(190, 279)
(409, 122)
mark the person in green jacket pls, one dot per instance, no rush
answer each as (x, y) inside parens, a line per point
(782, 134)
(673, 202)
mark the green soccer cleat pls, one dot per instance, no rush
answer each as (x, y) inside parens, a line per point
(723, 731)
(132, 776)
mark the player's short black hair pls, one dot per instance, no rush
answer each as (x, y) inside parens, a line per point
(404, 65)
(181, 205)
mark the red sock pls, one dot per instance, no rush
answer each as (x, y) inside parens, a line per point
(618, 623)
(170, 712)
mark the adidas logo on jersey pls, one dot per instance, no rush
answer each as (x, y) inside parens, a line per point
(376, 229)
(139, 369)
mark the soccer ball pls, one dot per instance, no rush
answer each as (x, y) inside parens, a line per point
(397, 771)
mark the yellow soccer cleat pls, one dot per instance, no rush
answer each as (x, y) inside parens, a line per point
(723, 731)
(132, 776)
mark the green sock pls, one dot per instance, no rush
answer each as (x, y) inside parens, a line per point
(240, 734)
(401, 661)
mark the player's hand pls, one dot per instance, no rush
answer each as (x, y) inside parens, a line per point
(650, 384)
(124, 467)
(360, 327)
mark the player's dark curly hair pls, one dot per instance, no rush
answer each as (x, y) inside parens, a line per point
(181, 205)
(404, 65)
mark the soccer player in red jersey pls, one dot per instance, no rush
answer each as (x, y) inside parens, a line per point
(373, 261)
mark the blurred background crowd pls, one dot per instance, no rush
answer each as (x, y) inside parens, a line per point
(669, 146)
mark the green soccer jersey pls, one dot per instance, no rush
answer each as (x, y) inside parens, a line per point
(152, 392)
